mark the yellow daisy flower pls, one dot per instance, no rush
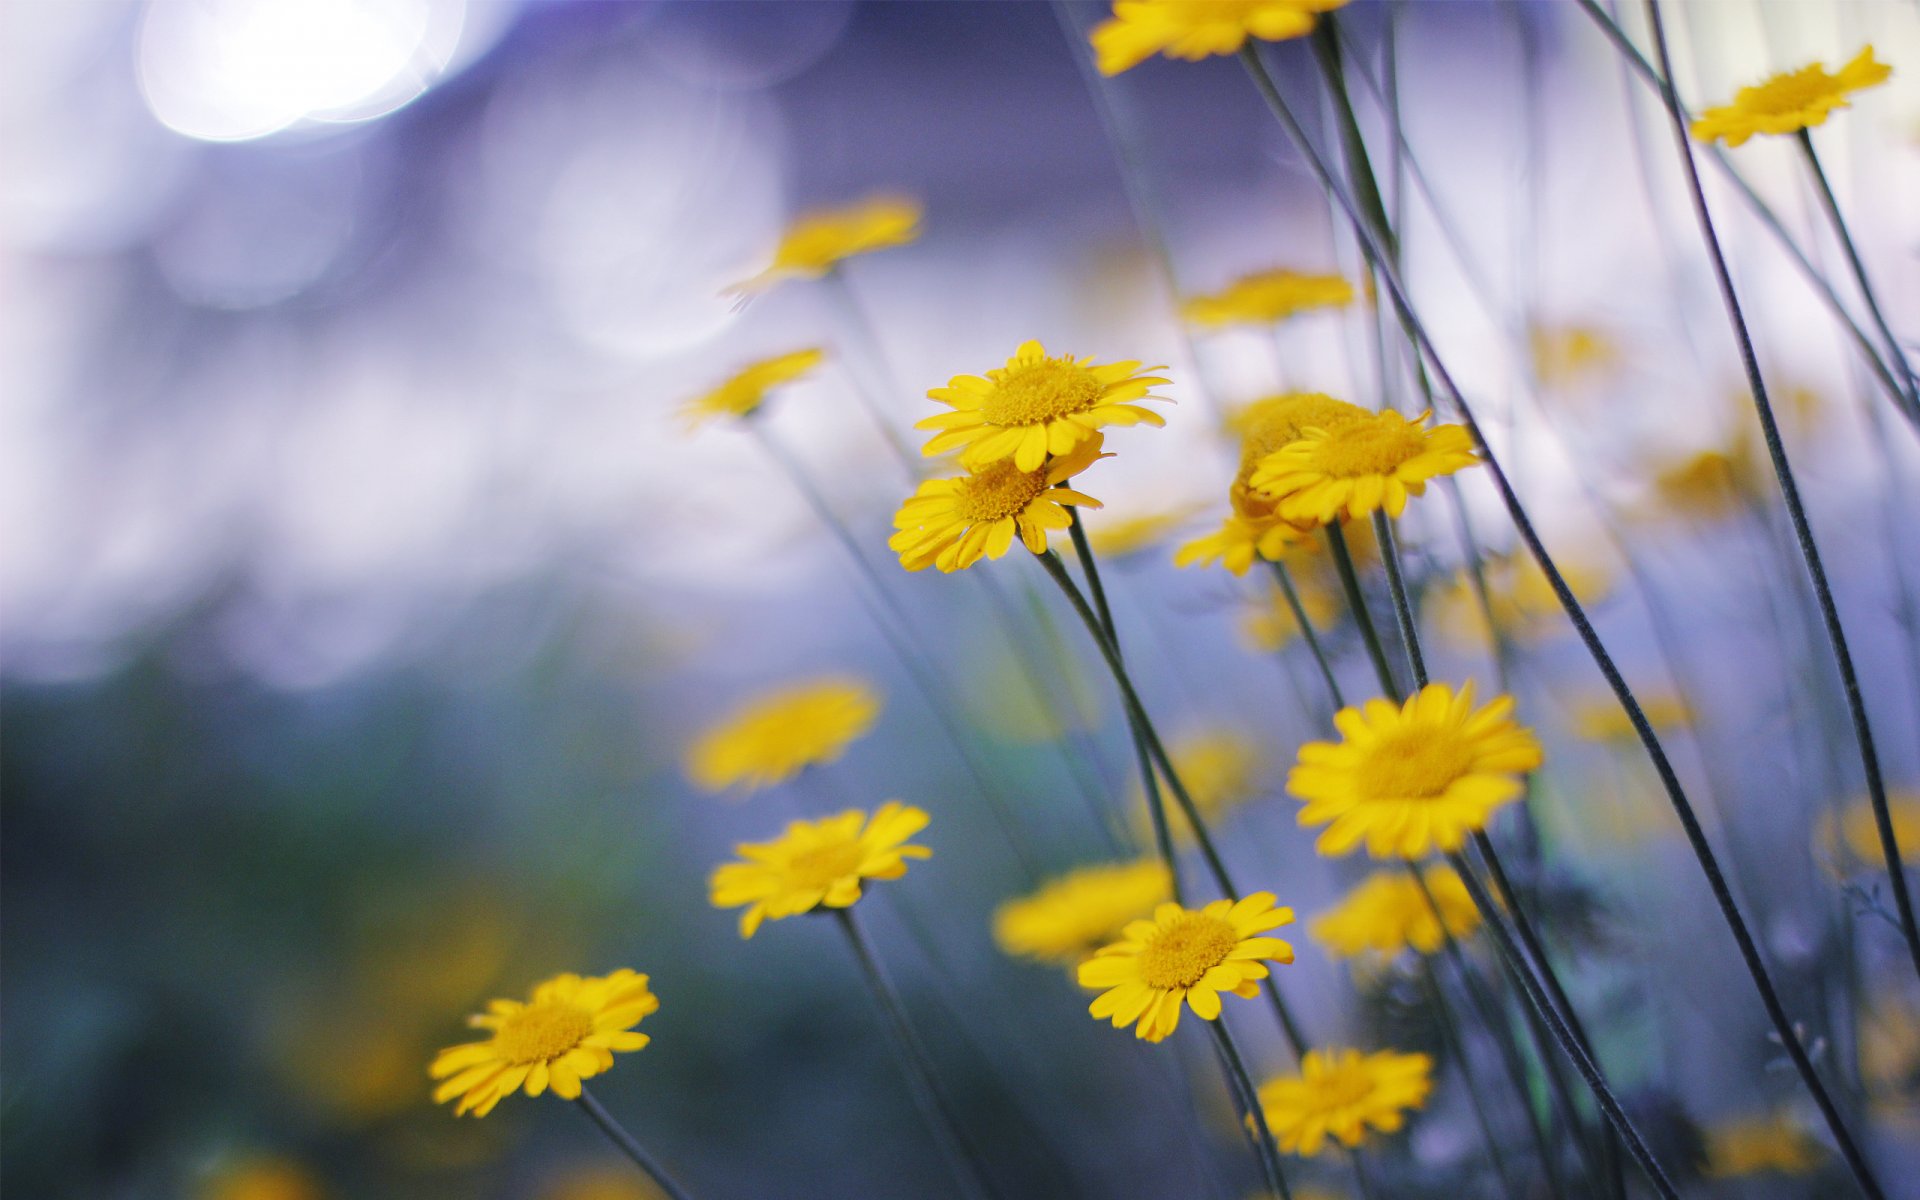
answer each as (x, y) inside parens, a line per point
(1035, 406)
(1711, 483)
(1185, 956)
(1357, 468)
(817, 862)
(1275, 422)
(1268, 625)
(1855, 831)
(1266, 297)
(953, 523)
(818, 241)
(1409, 778)
(1140, 29)
(1601, 719)
(775, 736)
(1081, 911)
(1241, 539)
(1790, 101)
(746, 391)
(1388, 913)
(1339, 1093)
(1756, 1145)
(263, 1179)
(1221, 768)
(567, 1031)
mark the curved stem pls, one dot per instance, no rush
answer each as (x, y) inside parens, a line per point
(628, 1145)
(1248, 1100)
(1350, 584)
(1284, 578)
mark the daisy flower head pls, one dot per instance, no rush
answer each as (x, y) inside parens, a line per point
(1241, 539)
(1790, 101)
(1267, 297)
(1081, 911)
(953, 523)
(566, 1031)
(818, 241)
(1410, 778)
(1197, 29)
(776, 735)
(1360, 467)
(1037, 405)
(1182, 956)
(815, 863)
(744, 393)
(1388, 913)
(1341, 1093)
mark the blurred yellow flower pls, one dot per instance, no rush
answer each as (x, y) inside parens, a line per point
(1140, 29)
(1035, 406)
(818, 241)
(1572, 354)
(1240, 539)
(1711, 483)
(778, 734)
(1081, 911)
(746, 391)
(817, 862)
(262, 1179)
(1123, 537)
(1185, 956)
(1351, 471)
(566, 1031)
(1754, 1145)
(1388, 913)
(1410, 778)
(1340, 1093)
(1269, 625)
(1790, 101)
(1221, 769)
(1889, 1046)
(953, 523)
(1601, 719)
(1855, 832)
(609, 1181)
(1265, 297)
(1524, 603)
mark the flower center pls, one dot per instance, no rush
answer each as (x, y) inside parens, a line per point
(1179, 955)
(819, 867)
(541, 1032)
(998, 491)
(1414, 764)
(1343, 1088)
(1376, 447)
(1045, 390)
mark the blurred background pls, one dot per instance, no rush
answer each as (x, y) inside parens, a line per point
(362, 587)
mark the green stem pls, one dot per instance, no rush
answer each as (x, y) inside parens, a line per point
(1284, 578)
(628, 1145)
(1397, 587)
(1247, 1098)
(1350, 584)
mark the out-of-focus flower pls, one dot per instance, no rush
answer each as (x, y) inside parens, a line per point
(775, 736)
(1790, 101)
(1388, 913)
(1524, 604)
(1269, 625)
(746, 391)
(1185, 956)
(1341, 1093)
(1853, 835)
(1889, 1044)
(567, 1031)
(1360, 467)
(1601, 719)
(609, 1181)
(1570, 355)
(1413, 777)
(953, 523)
(817, 862)
(266, 1178)
(1076, 914)
(1266, 297)
(818, 241)
(1127, 536)
(1711, 483)
(1221, 770)
(1756, 1145)
(1240, 539)
(1035, 406)
(1140, 29)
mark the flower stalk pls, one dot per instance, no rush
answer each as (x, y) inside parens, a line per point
(630, 1146)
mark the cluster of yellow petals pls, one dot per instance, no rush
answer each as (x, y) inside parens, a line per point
(1388, 913)
(1760, 1145)
(744, 393)
(1035, 406)
(1197, 29)
(1347, 472)
(1340, 1094)
(815, 863)
(1267, 297)
(953, 523)
(775, 736)
(1411, 778)
(1790, 101)
(1076, 914)
(1185, 957)
(818, 241)
(566, 1031)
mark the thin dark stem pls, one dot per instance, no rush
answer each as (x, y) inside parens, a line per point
(628, 1145)
(1576, 613)
(1596, 1082)
(963, 1158)
(1397, 586)
(1350, 584)
(1455, 1041)
(1084, 551)
(1248, 1099)
(1284, 578)
(1796, 513)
